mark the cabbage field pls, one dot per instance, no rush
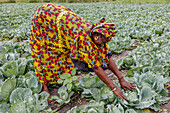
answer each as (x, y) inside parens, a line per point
(148, 64)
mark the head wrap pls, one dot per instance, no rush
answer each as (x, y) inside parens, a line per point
(106, 29)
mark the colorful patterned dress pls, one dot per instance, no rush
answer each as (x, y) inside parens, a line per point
(60, 40)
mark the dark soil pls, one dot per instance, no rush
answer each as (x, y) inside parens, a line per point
(121, 56)
(76, 100)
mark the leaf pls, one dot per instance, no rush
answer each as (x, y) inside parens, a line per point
(69, 87)
(62, 91)
(42, 100)
(4, 107)
(68, 99)
(146, 93)
(1, 75)
(128, 61)
(133, 98)
(64, 96)
(86, 91)
(43, 96)
(130, 73)
(95, 105)
(20, 82)
(98, 83)
(22, 66)
(60, 81)
(164, 92)
(65, 76)
(8, 87)
(130, 111)
(18, 107)
(38, 88)
(74, 78)
(121, 109)
(77, 83)
(59, 100)
(29, 74)
(113, 109)
(106, 93)
(2, 59)
(145, 69)
(118, 62)
(70, 80)
(95, 93)
(73, 72)
(92, 110)
(66, 81)
(116, 110)
(10, 68)
(162, 99)
(32, 82)
(87, 82)
(158, 69)
(155, 107)
(32, 104)
(76, 110)
(20, 94)
(87, 75)
(11, 72)
(145, 104)
(30, 65)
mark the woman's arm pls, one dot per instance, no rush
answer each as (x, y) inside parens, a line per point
(103, 76)
(112, 66)
(125, 85)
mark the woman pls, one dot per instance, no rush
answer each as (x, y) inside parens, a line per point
(60, 40)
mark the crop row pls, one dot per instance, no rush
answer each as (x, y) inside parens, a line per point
(140, 22)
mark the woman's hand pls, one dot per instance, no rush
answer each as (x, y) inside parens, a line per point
(120, 94)
(127, 85)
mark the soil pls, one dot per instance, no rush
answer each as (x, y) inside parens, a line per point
(77, 100)
(121, 56)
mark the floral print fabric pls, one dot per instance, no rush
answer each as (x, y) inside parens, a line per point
(60, 40)
(106, 29)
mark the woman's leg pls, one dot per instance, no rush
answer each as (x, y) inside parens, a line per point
(45, 88)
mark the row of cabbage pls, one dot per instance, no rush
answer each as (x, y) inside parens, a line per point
(132, 21)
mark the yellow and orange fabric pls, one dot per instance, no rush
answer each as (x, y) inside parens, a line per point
(60, 40)
(106, 29)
